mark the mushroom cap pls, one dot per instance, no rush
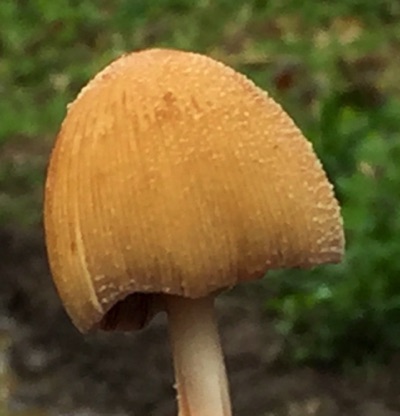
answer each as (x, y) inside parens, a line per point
(174, 174)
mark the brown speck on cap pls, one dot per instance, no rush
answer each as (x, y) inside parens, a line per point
(172, 172)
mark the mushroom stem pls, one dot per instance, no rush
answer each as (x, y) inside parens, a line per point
(200, 372)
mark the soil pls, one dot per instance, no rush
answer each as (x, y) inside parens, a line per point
(59, 370)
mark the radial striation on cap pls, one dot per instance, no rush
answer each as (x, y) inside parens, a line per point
(172, 173)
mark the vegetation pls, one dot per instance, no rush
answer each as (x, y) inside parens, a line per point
(333, 66)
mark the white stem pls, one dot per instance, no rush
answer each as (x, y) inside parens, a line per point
(200, 373)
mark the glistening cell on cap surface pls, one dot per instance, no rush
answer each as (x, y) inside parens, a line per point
(172, 173)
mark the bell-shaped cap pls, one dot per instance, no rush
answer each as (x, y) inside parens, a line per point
(174, 174)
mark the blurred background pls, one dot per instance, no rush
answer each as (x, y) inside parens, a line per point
(324, 342)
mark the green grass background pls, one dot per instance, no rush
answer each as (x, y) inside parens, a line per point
(334, 66)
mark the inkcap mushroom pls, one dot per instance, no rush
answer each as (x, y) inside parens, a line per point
(174, 177)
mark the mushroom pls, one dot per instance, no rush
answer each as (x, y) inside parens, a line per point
(174, 177)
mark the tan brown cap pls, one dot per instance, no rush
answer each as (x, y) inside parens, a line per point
(172, 173)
